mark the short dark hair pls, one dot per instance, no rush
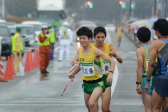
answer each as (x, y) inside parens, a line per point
(99, 29)
(161, 25)
(84, 31)
(144, 34)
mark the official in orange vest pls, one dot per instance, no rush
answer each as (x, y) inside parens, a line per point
(44, 50)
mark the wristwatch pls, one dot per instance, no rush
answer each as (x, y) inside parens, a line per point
(138, 83)
(111, 71)
(148, 80)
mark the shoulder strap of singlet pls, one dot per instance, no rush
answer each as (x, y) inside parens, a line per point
(80, 51)
(165, 41)
(146, 51)
(107, 46)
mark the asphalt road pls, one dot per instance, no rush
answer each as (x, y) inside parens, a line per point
(29, 94)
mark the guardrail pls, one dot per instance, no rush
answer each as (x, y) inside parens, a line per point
(131, 36)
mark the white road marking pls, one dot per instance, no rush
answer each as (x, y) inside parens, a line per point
(129, 62)
(132, 52)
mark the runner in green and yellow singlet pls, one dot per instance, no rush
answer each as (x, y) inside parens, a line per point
(93, 85)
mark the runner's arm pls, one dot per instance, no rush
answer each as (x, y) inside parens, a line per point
(114, 53)
(139, 54)
(153, 54)
(99, 53)
(75, 59)
(72, 75)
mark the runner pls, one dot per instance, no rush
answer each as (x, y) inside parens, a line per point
(142, 53)
(161, 85)
(119, 32)
(155, 70)
(109, 49)
(93, 85)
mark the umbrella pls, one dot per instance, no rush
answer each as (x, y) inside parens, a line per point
(164, 53)
(151, 21)
(134, 23)
(167, 18)
(141, 23)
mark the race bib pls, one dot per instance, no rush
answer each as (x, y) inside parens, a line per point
(87, 69)
(106, 67)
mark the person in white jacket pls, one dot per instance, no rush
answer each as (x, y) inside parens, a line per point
(65, 39)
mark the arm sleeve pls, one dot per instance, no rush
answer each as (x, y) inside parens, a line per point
(41, 39)
(18, 44)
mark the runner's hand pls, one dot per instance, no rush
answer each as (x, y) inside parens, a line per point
(71, 76)
(147, 86)
(73, 63)
(109, 79)
(113, 53)
(138, 89)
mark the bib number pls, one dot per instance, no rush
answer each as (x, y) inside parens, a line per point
(106, 67)
(87, 69)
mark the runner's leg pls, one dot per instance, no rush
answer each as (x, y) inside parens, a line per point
(157, 101)
(86, 97)
(119, 41)
(146, 99)
(106, 98)
(94, 99)
(165, 102)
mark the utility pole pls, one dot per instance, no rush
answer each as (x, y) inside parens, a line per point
(3, 8)
(165, 8)
(155, 8)
(130, 10)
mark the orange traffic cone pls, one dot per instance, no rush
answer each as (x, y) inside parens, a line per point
(12, 67)
(8, 73)
(36, 59)
(31, 60)
(2, 74)
(27, 63)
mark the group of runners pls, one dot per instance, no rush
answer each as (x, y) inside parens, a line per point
(152, 68)
(97, 67)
